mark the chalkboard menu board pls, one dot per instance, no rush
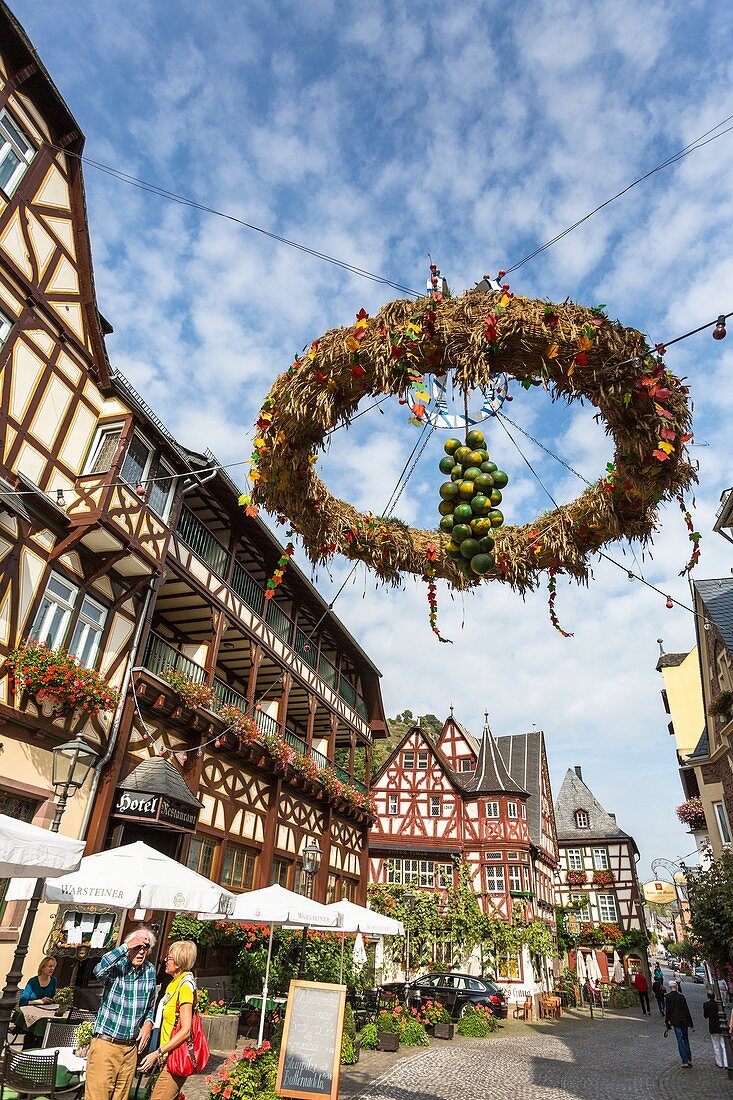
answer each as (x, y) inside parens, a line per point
(310, 1056)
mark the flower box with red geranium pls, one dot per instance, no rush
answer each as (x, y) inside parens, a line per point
(576, 878)
(692, 814)
(240, 724)
(191, 692)
(55, 677)
(603, 878)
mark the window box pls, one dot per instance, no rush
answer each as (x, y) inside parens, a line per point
(603, 878)
(576, 878)
(51, 675)
(692, 814)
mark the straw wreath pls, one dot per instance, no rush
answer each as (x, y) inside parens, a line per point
(573, 351)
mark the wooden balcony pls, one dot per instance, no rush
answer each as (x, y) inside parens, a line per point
(118, 523)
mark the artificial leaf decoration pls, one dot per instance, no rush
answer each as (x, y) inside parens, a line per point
(552, 589)
(693, 535)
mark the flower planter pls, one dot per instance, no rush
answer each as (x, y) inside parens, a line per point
(388, 1040)
(221, 1031)
(443, 1031)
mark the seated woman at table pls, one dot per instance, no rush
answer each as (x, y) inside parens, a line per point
(41, 989)
(176, 1005)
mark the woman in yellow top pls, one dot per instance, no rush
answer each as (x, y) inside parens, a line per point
(177, 1003)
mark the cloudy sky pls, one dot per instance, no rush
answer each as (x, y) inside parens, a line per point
(379, 133)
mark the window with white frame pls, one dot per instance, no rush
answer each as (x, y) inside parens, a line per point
(582, 821)
(5, 326)
(575, 859)
(508, 968)
(581, 907)
(16, 153)
(492, 809)
(467, 764)
(88, 631)
(138, 459)
(511, 809)
(494, 856)
(512, 855)
(410, 872)
(444, 875)
(495, 879)
(51, 623)
(427, 873)
(600, 859)
(394, 872)
(524, 812)
(721, 818)
(422, 760)
(515, 877)
(408, 760)
(103, 449)
(607, 908)
(527, 875)
(162, 490)
(392, 803)
(435, 806)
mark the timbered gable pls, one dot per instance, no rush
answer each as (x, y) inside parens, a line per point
(457, 745)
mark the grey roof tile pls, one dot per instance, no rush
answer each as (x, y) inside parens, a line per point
(491, 775)
(157, 776)
(717, 595)
(522, 754)
(575, 795)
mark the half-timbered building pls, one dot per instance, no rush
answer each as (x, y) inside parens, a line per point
(596, 875)
(130, 552)
(485, 802)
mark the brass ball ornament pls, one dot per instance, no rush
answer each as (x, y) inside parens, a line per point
(572, 351)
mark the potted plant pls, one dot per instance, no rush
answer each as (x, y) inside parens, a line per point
(388, 1032)
(240, 724)
(53, 676)
(692, 814)
(64, 997)
(189, 691)
(722, 705)
(576, 878)
(247, 1074)
(219, 1026)
(603, 878)
(84, 1036)
(436, 1018)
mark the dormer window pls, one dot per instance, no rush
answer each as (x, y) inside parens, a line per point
(582, 821)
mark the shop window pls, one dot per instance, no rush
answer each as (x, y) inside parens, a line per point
(88, 631)
(201, 855)
(600, 859)
(435, 806)
(16, 153)
(508, 968)
(51, 623)
(137, 462)
(607, 908)
(238, 869)
(495, 880)
(279, 874)
(103, 449)
(515, 878)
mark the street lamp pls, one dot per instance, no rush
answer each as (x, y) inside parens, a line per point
(312, 856)
(409, 898)
(72, 763)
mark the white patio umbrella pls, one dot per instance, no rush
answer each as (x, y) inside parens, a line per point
(360, 955)
(276, 905)
(594, 970)
(29, 852)
(618, 969)
(357, 918)
(581, 968)
(134, 876)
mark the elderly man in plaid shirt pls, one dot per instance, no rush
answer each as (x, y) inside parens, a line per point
(125, 1018)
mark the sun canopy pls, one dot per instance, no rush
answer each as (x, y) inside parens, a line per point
(29, 852)
(134, 876)
(356, 918)
(276, 905)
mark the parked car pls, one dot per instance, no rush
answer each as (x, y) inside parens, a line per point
(699, 975)
(453, 990)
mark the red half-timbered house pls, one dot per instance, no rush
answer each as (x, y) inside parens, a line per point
(487, 803)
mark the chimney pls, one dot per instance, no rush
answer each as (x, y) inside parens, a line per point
(578, 771)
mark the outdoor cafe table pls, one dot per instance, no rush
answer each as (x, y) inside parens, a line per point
(272, 1004)
(69, 1064)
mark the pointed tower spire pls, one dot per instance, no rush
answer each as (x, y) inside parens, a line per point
(491, 775)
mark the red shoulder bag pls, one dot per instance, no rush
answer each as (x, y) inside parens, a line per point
(192, 1056)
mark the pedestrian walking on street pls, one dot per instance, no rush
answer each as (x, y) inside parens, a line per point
(176, 1008)
(711, 1014)
(125, 1018)
(677, 1016)
(659, 991)
(642, 988)
(658, 973)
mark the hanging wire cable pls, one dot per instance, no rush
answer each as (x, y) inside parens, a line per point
(698, 143)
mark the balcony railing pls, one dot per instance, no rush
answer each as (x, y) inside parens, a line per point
(278, 620)
(227, 696)
(265, 722)
(160, 656)
(247, 588)
(199, 539)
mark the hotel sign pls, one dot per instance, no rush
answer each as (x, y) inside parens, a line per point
(156, 810)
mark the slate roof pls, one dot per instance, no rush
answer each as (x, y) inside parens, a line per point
(702, 748)
(717, 595)
(491, 775)
(157, 776)
(670, 660)
(575, 795)
(522, 754)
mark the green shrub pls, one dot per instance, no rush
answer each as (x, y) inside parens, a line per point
(348, 1050)
(349, 1022)
(414, 1034)
(369, 1037)
(474, 1025)
(387, 1022)
(246, 1075)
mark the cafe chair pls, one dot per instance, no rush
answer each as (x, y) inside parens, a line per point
(26, 1075)
(80, 1016)
(60, 1033)
(524, 1010)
